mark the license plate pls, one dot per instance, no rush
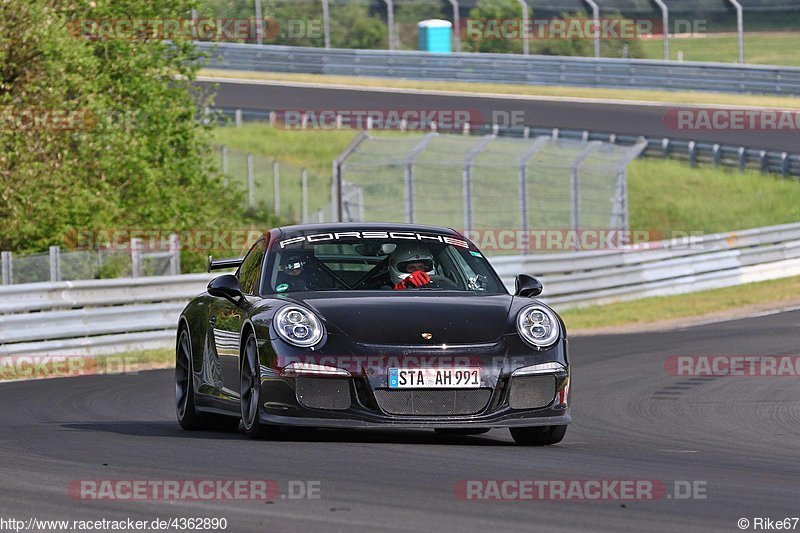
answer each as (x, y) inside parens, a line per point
(434, 378)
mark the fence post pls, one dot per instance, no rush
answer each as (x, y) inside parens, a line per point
(390, 22)
(238, 118)
(456, 24)
(466, 179)
(276, 178)
(304, 187)
(251, 182)
(336, 175)
(8, 268)
(575, 186)
(739, 28)
(409, 175)
(136, 257)
(259, 23)
(596, 20)
(326, 22)
(665, 22)
(523, 5)
(55, 263)
(174, 255)
(523, 187)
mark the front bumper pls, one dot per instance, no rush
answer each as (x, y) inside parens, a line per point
(351, 402)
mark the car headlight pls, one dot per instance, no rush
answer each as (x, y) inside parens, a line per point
(538, 326)
(298, 326)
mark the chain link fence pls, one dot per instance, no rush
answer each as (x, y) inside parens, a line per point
(140, 258)
(291, 191)
(487, 183)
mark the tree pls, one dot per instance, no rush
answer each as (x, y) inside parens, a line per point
(134, 154)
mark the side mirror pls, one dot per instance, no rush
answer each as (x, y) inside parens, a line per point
(226, 286)
(527, 286)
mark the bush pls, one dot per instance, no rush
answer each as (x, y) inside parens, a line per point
(135, 156)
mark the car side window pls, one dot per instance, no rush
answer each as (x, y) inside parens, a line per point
(250, 271)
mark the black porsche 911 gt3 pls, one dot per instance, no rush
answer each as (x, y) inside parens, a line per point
(371, 325)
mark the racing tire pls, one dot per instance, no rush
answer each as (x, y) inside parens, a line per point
(186, 410)
(538, 436)
(250, 397)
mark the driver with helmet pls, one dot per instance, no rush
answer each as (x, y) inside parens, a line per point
(411, 267)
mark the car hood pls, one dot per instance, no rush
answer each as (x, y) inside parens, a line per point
(395, 318)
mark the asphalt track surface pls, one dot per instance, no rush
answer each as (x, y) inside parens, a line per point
(620, 118)
(633, 421)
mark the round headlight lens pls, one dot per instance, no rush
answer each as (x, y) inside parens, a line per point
(538, 326)
(298, 326)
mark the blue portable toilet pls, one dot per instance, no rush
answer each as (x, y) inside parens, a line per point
(436, 36)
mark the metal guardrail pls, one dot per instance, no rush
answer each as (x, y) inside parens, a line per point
(510, 68)
(106, 316)
(694, 153)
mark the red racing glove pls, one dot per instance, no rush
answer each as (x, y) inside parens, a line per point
(416, 279)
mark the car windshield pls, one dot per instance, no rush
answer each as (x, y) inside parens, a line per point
(378, 262)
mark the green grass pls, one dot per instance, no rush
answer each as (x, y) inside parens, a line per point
(775, 48)
(649, 310)
(667, 196)
(664, 196)
(66, 366)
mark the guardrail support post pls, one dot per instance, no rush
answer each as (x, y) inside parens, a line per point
(784, 164)
(692, 154)
(8, 268)
(251, 182)
(763, 161)
(715, 151)
(174, 255)
(276, 177)
(55, 263)
(238, 118)
(136, 257)
(742, 158)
